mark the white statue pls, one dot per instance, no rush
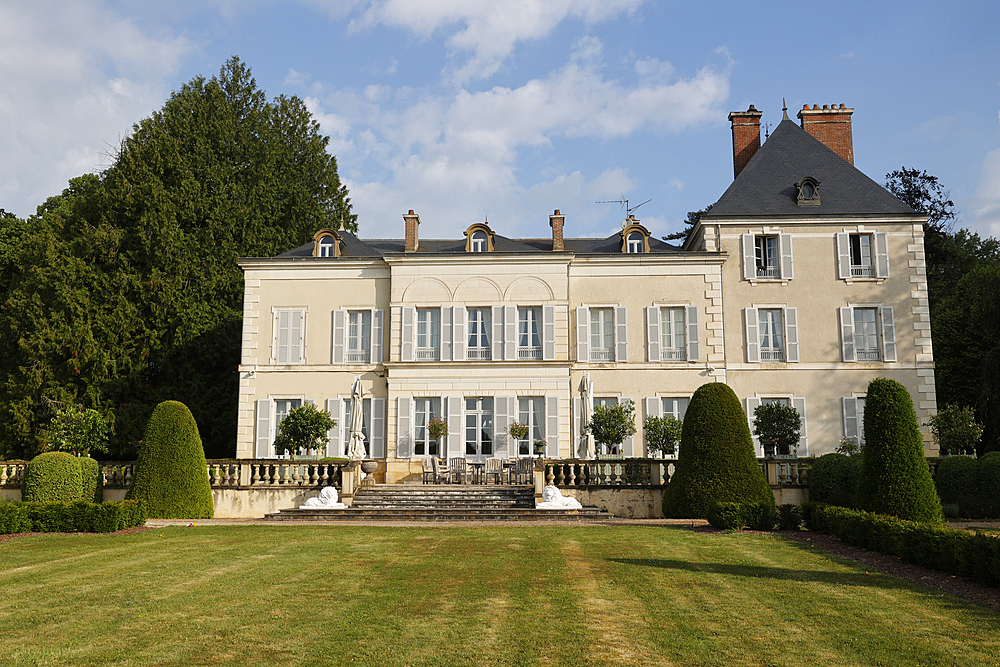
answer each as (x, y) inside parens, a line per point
(553, 500)
(327, 500)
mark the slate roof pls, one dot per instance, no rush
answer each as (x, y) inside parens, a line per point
(766, 186)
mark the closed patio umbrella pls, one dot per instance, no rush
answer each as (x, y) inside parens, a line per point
(588, 413)
(356, 450)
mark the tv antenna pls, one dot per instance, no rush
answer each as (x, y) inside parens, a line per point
(624, 204)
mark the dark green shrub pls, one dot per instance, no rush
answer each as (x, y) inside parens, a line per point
(77, 516)
(52, 476)
(170, 472)
(833, 479)
(726, 515)
(988, 483)
(716, 460)
(895, 477)
(14, 518)
(760, 516)
(91, 479)
(789, 517)
(956, 478)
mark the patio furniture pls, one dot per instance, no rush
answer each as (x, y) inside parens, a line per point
(476, 469)
(441, 472)
(493, 467)
(457, 469)
(428, 472)
(524, 471)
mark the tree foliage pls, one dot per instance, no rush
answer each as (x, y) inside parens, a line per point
(955, 429)
(895, 477)
(611, 424)
(128, 290)
(663, 434)
(304, 429)
(689, 224)
(777, 427)
(78, 430)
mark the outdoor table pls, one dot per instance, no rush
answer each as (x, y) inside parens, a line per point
(508, 467)
(478, 469)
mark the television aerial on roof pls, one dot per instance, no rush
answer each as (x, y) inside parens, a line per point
(624, 204)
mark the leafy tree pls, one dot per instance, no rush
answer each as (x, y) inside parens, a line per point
(955, 429)
(663, 434)
(777, 427)
(11, 230)
(305, 428)
(78, 430)
(716, 460)
(689, 224)
(130, 292)
(895, 478)
(611, 424)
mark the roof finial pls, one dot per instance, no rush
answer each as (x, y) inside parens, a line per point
(342, 228)
(487, 219)
(784, 110)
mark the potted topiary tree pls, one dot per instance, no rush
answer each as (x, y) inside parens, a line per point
(663, 434)
(777, 427)
(304, 429)
(611, 424)
(437, 428)
(518, 431)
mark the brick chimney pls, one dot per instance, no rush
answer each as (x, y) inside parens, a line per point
(832, 126)
(556, 222)
(412, 222)
(746, 137)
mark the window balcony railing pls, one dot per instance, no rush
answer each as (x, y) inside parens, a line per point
(868, 355)
(358, 356)
(427, 354)
(772, 355)
(768, 272)
(529, 354)
(862, 271)
(602, 354)
(478, 354)
(673, 354)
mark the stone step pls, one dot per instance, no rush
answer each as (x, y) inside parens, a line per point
(465, 514)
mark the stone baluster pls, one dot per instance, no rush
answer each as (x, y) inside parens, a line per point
(314, 475)
(324, 478)
(3, 475)
(572, 473)
(782, 474)
(255, 478)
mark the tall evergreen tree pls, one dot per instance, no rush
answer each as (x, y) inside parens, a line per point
(130, 292)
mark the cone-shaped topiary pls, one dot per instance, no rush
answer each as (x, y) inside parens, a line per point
(895, 478)
(716, 460)
(52, 476)
(170, 472)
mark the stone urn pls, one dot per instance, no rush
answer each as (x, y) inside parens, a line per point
(368, 467)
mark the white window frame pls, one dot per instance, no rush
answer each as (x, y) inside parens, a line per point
(790, 332)
(673, 345)
(886, 331)
(636, 243)
(850, 267)
(534, 420)
(294, 352)
(426, 320)
(853, 408)
(326, 246)
(478, 415)
(797, 402)
(657, 349)
(602, 335)
(529, 328)
(583, 334)
(478, 241)
(440, 447)
(784, 268)
(478, 327)
(357, 352)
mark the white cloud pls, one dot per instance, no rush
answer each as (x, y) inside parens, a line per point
(488, 29)
(987, 196)
(436, 152)
(76, 77)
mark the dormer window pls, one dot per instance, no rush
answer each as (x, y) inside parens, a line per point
(635, 237)
(327, 243)
(479, 238)
(636, 242)
(808, 192)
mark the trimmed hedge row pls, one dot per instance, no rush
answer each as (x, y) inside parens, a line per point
(75, 517)
(736, 516)
(968, 487)
(959, 552)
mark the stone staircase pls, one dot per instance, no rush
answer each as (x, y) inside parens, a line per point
(412, 502)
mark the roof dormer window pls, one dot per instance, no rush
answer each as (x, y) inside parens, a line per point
(636, 242)
(479, 238)
(808, 192)
(478, 242)
(327, 243)
(326, 246)
(635, 237)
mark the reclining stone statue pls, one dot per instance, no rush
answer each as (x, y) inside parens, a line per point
(553, 500)
(327, 500)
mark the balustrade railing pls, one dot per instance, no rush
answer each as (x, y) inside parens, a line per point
(658, 472)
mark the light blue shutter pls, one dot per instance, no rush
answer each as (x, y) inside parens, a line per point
(749, 259)
(458, 333)
(652, 333)
(881, 255)
(548, 333)
(446, 333)
(799, 403)
(378, 326)
(378, 428)
(406, 337)
(404, 428)
(334, 406)
(621, 334)
(843, 255)
(888, 333)
(753, 342)
(791, 335)
(510, 333)
(265, 410)
(497, 333)
(693, 338)
(851, 427)
(847, 333)
(339, 328)
(582, 334)
(552, 427)
(628, 444)
(785, 250)
(456, 430)
(752, 403)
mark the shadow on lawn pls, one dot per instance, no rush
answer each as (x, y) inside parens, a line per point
(857, 578)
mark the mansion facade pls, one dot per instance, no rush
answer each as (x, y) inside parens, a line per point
(802, 283)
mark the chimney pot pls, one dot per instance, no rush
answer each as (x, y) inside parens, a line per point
(832, 126)
(746, 137)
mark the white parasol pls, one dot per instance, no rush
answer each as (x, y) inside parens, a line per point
(587, 440)
(356, 450)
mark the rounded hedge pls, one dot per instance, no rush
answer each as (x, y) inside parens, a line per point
(170, 472)
(90, 476)
(52, 476)
(895, 477)
(716, 460)
(833, 479)
(956, 478)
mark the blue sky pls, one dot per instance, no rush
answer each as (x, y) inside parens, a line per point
(463, 109)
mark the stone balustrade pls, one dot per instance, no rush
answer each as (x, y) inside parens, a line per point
(780, 472)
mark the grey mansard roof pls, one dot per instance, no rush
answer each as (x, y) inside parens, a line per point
(766, 186)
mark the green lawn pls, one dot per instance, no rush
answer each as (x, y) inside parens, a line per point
(317, 595)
